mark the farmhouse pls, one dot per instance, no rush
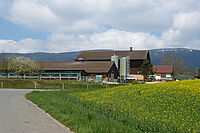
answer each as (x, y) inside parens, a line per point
(163, 72)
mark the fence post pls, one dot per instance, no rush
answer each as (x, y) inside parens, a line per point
(63, 85)
(2, 84)
(60, 76)
(35, 84)
(87, 85)
(106, 86)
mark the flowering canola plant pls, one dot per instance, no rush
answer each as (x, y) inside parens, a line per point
(161, 107)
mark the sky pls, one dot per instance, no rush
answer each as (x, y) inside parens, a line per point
(28, 26)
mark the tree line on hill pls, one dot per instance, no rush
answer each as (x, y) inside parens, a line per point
(178, 65)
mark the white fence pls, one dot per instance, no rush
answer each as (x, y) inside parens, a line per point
(56, 77)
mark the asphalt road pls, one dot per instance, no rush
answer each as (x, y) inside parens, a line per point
(18, 115)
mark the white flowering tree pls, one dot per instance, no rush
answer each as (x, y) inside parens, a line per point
(4, 63)
(22, 65)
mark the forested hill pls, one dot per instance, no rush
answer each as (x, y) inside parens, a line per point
(191, 56)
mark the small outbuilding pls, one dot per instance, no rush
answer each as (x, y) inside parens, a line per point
(163, 72)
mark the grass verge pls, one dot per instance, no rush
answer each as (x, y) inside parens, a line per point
(52, 84)
(74, 116)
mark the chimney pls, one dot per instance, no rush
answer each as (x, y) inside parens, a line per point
(131, 49)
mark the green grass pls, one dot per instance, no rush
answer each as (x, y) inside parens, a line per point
(76, 117)
(183, 77)
(52, 84)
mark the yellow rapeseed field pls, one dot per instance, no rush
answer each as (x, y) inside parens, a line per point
(161, 107)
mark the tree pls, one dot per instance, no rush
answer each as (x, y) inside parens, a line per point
(178, 65)
(198, 75)
(146, 69)
(40, 70)
(4, 64)
(176, 61)
(22, 65)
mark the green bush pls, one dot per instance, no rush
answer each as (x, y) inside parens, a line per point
(138, 82)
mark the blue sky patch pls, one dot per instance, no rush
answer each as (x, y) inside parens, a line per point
(11, 31)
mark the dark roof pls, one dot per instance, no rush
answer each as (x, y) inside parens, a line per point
(163, 69)
(88, 67)
(106, 55)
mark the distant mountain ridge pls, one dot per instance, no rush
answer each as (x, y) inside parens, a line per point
(42, 56)
(191, 56)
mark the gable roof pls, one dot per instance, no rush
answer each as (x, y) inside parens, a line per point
(106, 55)
(163, 69)
(88, 67)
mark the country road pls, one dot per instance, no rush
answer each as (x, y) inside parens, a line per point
(18, 115)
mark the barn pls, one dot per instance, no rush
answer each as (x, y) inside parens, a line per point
(86, 71)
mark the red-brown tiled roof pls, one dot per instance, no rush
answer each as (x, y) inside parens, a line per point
(106, 55)
(163, 69)
(88, 67)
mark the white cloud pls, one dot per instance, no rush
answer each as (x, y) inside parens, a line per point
(116, 39)
(83, 24)
(7, 45)
(185, 31)
(78, 16)
(24, 46)
(189, 22)
(33, 14)
(147, 16)
(52, 16)
(4, 6)
(112, 39)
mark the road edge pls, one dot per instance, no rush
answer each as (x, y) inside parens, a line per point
(49, 115)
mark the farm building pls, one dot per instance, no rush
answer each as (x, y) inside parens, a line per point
(88, 71)
(163, 72)
(85, 71)
(135, 59)
(106, 65)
